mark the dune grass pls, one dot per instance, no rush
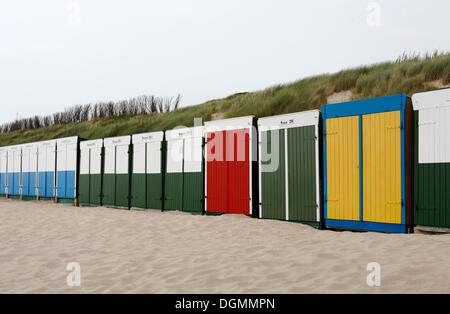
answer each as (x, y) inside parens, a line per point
(409, 74)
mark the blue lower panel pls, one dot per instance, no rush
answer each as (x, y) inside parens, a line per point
(46, 184)
(365, 225)
(29, 184)
(14, 183)
(66, 184)
(2, 183)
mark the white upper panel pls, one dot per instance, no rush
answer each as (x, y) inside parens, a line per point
(434, 134)
(84, 161)
(154, 158)
(122, 159)
(91, 144)
(229, 124)
(47, 156)
(117, 141)
(292, 120)
(433, 99)
(29, 157)
(148, 137)
(434, 128)
(183, 133)
(91, 159)
(95, 160)
(67, 156)
(139, 154)
(110, 160)
(3, 160)
(14, 158)
(193, 154)
(175, 156)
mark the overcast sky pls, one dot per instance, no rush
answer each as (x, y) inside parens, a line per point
(57, 53)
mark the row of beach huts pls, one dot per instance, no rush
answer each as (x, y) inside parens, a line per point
(380, 164)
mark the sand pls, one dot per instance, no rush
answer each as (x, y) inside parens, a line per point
(123, 251)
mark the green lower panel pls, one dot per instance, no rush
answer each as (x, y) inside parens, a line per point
(95, 189)
(273, 181)
(146, 191)
(432, 195)
(139, 190)
(14, 197)
(174, 191)
(109, 190)
(122, 190)
(193, 192)
(116, 190)
(84, 189)
(302, 174)
(66, 201)
(29, 198)
(90, 189)
(154, 191)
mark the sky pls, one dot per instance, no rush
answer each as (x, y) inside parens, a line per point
(58, 53)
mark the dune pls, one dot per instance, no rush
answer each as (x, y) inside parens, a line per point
(123, 251)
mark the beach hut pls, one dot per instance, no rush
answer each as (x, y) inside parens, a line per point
(29, 171)
(14, 171)
(231, 166)
(91, 173)
(368, 164)
(67, 157)
(147, 175)
(184, 180)
(46, 169)
(432, 160)
(116, 176)
(289, 167)
(3, 170)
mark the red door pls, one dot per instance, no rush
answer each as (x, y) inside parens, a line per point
(228, 172)
(216, 173)
(238, 163)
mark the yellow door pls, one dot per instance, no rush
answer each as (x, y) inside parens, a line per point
(382, 167)
(343, 168)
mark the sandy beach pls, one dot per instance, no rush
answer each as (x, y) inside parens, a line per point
(123, 251)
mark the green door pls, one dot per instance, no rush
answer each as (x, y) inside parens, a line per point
(174, 175)
(302, 168)
(116, 179)
(193, 175)
(431, 178)
(273, 179)
(139, 179)
(146, 186)
(84, 197)
(91, 165)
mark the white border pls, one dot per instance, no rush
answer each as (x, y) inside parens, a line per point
(91, 144)
(432, 99)
(286, 167)
(151, 137)
(228, 124)
(117, 141)
(183, 133)
(291, 120)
